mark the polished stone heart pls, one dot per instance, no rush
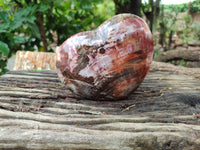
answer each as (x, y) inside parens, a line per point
(109, 62)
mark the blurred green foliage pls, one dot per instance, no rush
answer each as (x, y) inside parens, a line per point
(19, 29)
(196, 29)
(177, 8)
(194, 7)
(170, 23)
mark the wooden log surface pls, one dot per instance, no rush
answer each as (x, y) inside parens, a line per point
(27, 60)
(179, 54)
(37, 112)
(161, 66)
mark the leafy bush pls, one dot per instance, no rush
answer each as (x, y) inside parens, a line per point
(4, 51)
(170, 22)
(24, 24)
(195, 6)
(12, 29)
(196, 28)
(177, 7)
(191, 31)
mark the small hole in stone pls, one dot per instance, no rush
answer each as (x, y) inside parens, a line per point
(102, 50)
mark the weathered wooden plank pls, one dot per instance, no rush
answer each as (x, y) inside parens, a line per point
(37, 112)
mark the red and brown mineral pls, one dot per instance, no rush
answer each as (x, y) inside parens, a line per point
(108, 63)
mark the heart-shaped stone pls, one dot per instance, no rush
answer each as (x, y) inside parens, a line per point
(109, 62)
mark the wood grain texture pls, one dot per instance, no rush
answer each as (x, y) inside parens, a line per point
(27, 60)
(37, 112)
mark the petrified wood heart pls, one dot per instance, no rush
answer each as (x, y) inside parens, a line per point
(109, 62)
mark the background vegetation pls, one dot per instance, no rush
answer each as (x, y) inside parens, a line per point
(37, 24)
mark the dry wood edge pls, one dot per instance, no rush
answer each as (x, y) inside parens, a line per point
(161, 66)
(188, 55)
(37, 112)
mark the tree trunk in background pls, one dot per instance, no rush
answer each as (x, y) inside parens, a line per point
(163, 28)
(39, 22)
(152, 13)
(156, 12)
(40, 25)
(131, 6)
(189, 5)
(170, 39)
